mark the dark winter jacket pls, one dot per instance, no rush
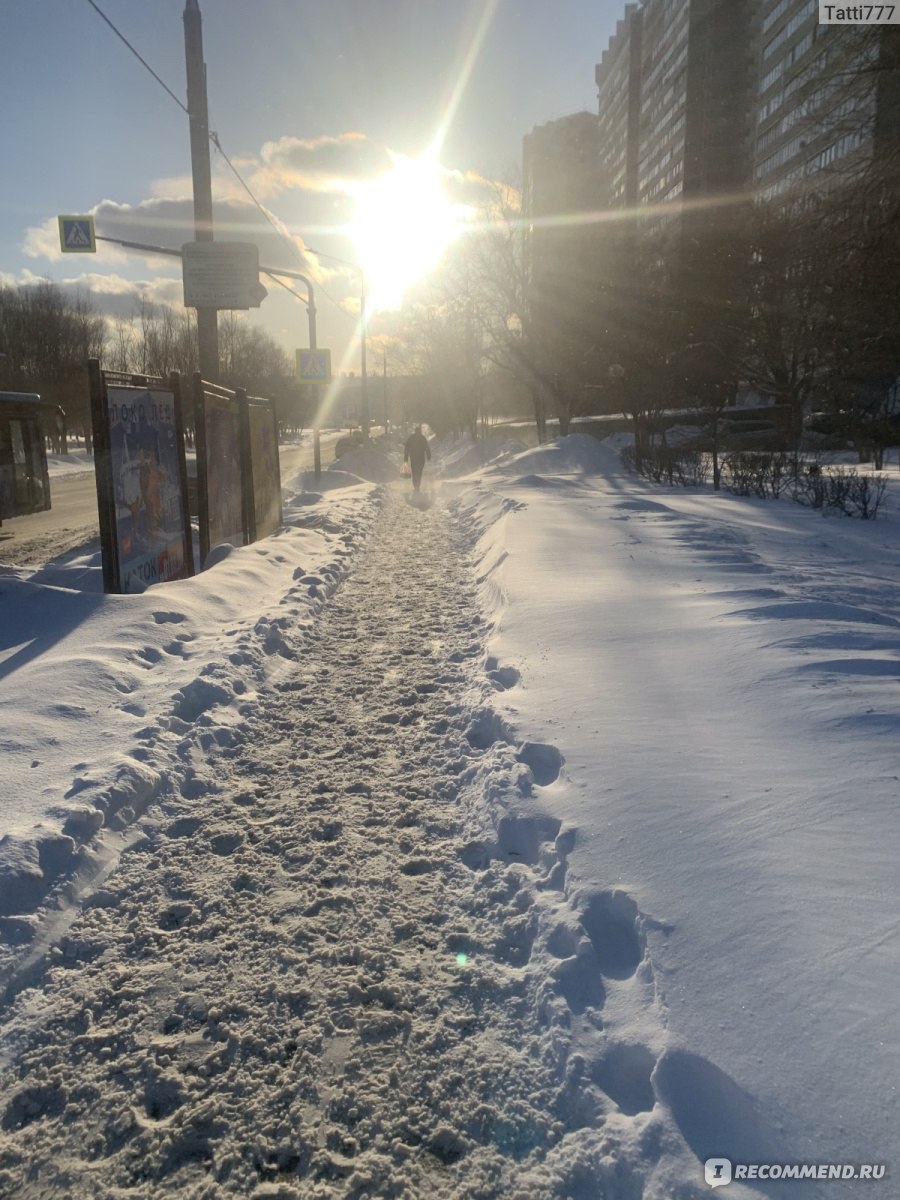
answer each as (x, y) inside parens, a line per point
(417, 449)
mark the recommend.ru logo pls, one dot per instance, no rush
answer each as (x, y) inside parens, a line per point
(719, 1171)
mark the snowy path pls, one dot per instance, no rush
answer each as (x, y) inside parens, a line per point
(331, 973)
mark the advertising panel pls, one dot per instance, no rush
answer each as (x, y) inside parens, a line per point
(265, 468)
(219, 474)
(223, 471)
(141, 488)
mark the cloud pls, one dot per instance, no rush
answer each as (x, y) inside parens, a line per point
(169, 223)
(324, 164)
(316, 182)
(112, 295)
(479, 193)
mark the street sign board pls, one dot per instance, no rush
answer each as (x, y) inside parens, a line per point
(221, 275)
(76, 235)
(314, 366)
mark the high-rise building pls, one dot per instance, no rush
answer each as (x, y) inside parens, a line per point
(561, 190)
(618, 78)
(561, 187)
(704, 98)
(695, 90)
(561, 166)
(825, 105)
(704, 107)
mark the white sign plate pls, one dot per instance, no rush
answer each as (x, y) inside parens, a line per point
(221, 275)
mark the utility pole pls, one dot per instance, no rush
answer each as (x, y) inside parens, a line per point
(384, 389)
(363, 330)
(207, 318)
(364, 379)
(316, 392)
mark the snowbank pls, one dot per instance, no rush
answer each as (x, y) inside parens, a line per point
(76, 462)
(97, 692)
(462, 456)
(577, 454)
(689, 743)
(367, 462)
(721, 681)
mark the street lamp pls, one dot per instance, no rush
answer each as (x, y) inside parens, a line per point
(317, 399)
(272, 272)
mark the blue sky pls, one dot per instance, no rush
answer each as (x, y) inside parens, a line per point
(300, 93)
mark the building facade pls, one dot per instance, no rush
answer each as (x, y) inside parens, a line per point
(826, 106)
(705, 108)
(700, 99)
(618, 78)
(560, 198)
(561, 185)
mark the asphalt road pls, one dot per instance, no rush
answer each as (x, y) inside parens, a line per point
(71, 522)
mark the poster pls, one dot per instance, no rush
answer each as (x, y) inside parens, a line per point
(265, 467)
(149, 503)
(222, 472)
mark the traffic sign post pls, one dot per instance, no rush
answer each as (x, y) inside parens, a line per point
(76, 235)
(314, 366)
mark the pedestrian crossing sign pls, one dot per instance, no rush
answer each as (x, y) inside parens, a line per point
(314, 366)
(76, 235)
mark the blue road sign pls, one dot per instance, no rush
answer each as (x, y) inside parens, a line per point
(76, 235)
(314, 366)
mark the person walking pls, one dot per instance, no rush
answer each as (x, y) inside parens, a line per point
(416, 453)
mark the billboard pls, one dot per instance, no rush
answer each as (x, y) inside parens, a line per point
(220, 492)
(265, 468)
(141, 482)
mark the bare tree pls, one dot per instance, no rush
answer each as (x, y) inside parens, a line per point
(47, 337)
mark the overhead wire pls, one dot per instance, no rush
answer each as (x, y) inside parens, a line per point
(142, 61)
(216, 142)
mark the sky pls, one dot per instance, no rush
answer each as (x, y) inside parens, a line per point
(307, 101)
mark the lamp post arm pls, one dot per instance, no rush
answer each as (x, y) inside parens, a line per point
(310, 301)
(273, 272)
(311, 315)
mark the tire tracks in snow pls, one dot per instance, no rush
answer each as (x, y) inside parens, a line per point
(342, 962)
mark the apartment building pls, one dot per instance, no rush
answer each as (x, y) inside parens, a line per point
(825, 107)
(702, 98)
(561, 181)
(562, 248)
(618, 79)
(560, 166)
(704, 106)
(695, 92)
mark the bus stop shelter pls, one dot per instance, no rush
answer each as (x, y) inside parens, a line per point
(24, 482)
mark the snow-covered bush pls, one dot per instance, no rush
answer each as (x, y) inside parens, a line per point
(768, 476)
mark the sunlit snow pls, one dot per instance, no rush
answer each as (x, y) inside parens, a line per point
(537, 841)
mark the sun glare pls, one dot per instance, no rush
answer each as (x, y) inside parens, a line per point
(403, 223)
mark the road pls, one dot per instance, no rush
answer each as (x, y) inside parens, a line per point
(72, 521)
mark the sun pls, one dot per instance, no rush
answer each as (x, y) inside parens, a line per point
(402, 225)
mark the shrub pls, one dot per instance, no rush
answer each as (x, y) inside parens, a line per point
(767, 475)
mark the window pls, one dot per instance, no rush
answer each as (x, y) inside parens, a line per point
(777, 12)
(803, 14)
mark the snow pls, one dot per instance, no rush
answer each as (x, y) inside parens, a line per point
(76, 462)
(532, 837)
